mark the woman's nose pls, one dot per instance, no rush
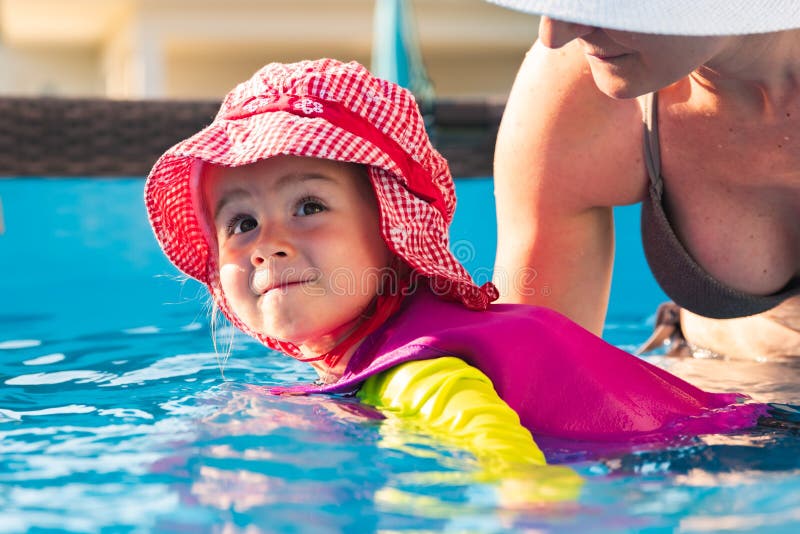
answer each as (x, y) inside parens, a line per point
(556, 33)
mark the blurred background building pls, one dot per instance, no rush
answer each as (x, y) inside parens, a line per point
(198, 49)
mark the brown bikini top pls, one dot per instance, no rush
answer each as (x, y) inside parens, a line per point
(678, 274)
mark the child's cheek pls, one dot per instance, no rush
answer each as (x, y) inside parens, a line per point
(235, 284)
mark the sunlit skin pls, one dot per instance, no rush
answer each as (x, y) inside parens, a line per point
(627, 64)
(299, 248)
(570, 149)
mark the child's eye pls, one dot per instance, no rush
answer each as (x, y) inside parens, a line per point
(309, 206)
(241, 224)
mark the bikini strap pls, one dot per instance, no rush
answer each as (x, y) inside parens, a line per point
(652, 150)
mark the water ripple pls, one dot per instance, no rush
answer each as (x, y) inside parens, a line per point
(46, 359)
(126, 412)
(81, 376)
(169, 367)
(58, 410)
(19, 344)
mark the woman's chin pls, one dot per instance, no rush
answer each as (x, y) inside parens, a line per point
(617, 87)
(620, 91)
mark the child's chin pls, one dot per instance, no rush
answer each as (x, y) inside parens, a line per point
(303, 340)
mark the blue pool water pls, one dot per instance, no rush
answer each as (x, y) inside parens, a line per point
(115, 416)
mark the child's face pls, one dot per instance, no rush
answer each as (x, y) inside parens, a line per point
(300, 250)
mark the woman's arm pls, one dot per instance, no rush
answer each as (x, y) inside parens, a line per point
(565, 155)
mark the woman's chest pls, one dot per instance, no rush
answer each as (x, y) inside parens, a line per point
(732, 193)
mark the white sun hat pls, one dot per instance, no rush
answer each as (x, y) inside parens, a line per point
(670, 17)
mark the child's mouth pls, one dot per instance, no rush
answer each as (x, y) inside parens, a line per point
(282, 287)
(262, 283)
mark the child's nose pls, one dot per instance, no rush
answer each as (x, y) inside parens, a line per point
(258, 258)
(556, 33)
(270, 247)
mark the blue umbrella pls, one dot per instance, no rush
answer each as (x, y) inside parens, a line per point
(395, 49)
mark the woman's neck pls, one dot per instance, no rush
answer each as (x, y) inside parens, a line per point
(761, 71)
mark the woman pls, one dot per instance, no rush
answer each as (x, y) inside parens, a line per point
(717, 170)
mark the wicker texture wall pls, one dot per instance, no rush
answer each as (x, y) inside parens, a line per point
(106, 138)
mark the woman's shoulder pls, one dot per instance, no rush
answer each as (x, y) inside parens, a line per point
(564, 78)
(585, 143)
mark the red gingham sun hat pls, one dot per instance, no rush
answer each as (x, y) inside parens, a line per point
(322, 109)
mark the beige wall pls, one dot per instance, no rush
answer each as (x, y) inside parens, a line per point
(50, 72)
(473, 74)
(201, 48)
(212, 75)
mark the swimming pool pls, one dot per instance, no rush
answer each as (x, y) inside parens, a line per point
(114, 415)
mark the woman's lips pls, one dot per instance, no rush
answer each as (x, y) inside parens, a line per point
(605, 57)
(600, 51)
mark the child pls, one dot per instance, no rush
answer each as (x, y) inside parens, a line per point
(316, 211)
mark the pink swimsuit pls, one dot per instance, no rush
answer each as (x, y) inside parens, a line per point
(563, 381)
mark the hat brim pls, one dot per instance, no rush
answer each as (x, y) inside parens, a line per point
(411, 227)
(171, 198)
(670, 17)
